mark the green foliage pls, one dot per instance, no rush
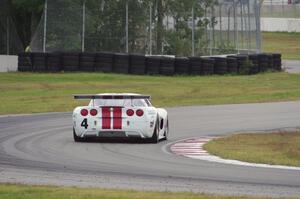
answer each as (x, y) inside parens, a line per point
(28, 5)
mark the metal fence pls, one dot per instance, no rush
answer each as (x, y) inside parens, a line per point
(181, 28)
(281, 8)
(10, 42)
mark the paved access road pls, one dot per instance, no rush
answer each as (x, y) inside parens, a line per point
(39, 149)
(291, 66)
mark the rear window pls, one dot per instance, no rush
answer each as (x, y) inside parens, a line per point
(120, 102)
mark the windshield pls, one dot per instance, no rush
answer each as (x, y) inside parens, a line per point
(121, 102)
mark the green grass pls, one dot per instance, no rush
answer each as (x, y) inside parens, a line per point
(46, 192)
(281, 148)
(286, 43)
(37, 92)
(288, 11)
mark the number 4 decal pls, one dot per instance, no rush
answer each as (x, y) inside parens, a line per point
(84, 123)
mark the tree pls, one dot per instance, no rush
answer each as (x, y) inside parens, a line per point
(26, 15)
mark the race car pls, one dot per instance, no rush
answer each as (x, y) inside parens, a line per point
(119, 115)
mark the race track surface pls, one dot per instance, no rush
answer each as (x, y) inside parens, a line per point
(39, 149)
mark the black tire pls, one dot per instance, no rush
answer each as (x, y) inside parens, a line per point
(167, 66)
(166, 133)
(220, 66)
(121, 63)
(24, 62)
(77, 138)
(54, 63)
(153, 65)
(39, 62)
(195, 65)
(155, 137)
(70, 61)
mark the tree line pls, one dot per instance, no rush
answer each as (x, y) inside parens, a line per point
(105, 24)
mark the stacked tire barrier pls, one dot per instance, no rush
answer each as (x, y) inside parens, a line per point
(263, 62)
(207, 66)
(54, 62)
(70, 61)
(39, 62)
(87, 62)
(104, 62)
(232, 65)
(220, 65)
(121, 63)
(182, 66)
(195, 65)
(277, 61)
(152, 65)
(137, 64)
(25, 62)
(253, 58)
(167, 66)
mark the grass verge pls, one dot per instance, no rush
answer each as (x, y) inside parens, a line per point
(278, 148)
(45, 92)
(286, 43)
(47, 192)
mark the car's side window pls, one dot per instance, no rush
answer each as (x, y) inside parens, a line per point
(148, 102)
(139, 102)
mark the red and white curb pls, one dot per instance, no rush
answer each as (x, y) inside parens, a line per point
(193, 148)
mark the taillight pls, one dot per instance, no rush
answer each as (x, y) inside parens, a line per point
(84, 112)
(130, 112)
(93, 112)
(139, 112)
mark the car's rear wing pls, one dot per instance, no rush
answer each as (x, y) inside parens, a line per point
(93, 97)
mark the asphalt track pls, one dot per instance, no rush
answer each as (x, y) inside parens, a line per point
(39, 149)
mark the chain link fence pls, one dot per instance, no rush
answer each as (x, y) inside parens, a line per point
(10, 43)
(181, 27)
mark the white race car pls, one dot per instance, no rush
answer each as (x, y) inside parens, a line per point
(123, 115)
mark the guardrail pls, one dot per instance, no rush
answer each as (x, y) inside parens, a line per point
(148, 65)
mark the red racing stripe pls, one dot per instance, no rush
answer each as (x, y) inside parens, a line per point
(106, 118)
(117, 115)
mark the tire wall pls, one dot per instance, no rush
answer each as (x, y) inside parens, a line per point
(139, 64)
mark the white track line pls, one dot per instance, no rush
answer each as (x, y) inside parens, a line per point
(193, 148)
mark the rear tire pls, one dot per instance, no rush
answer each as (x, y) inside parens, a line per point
(155, 136)
(166, 133)
(77, 138)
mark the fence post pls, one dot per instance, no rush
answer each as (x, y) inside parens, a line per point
(211, 33)
(193, 31)
(249, 27)
(150, 29)
(45, 26)
(7, 35)
(220, 24)
(242, 25)
(126, 28)
(236, 28)
(257, 20)
(83, 27)
(228, 26)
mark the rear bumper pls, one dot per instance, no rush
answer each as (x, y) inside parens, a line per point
(112, 134)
